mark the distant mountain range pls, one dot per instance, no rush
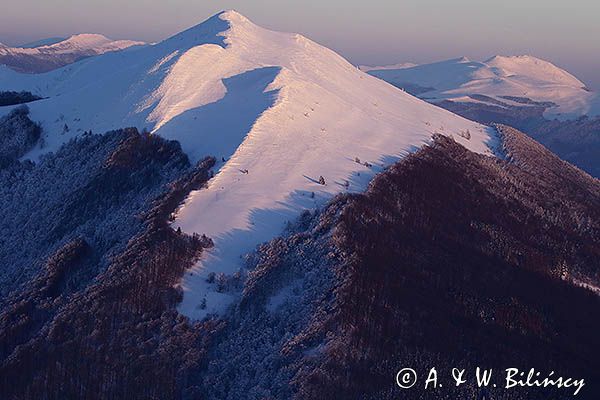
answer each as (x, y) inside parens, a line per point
(48, 54)
(531, 94)
(238, 213)
(41, 42)
(367, 68)
(512, 80)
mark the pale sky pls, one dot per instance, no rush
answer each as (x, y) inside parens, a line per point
(566, 33)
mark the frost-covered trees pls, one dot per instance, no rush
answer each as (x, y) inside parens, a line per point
(18, 134)
(574, 140)
(10, 98)
(465, 134)
(108, 198)
(94, 187)
(289, 285)
(502, 257)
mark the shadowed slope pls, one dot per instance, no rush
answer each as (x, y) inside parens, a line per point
(450, 259)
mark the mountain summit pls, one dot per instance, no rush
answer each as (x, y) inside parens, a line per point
(534, 68)
(49, 54)
(235, 213)
(522, 78)
(92, 42)
(291, 122)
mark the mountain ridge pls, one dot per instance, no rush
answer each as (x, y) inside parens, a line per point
(267, 221)
(49, 56)
(265, 103)
(41, 42)
(499, 77)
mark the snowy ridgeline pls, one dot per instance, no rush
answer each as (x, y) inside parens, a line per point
(510, 80)
(49, 54)
(351, 287)
(77, 192)
(291, 122)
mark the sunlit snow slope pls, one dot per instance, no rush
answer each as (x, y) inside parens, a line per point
(279, 109)
(367, 68)
(320, 113)
(526, 77)
(50, 54)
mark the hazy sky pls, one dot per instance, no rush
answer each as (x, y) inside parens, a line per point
(566, 32)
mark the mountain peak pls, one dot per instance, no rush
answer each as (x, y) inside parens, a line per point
(522, 59)
(207, 31)
(260, 101)
(232, 16)
(499, 76)
(535, 68)
(93, 43)
(515, 58)
(48, 54)
(84, 40)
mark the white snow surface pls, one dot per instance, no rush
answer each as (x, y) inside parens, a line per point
(40, 42)
(317, 113)
(367, 68)
(518, 76)
(280, 109)
(84, 42)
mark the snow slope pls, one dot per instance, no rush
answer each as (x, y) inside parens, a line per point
(323, 113)
(41, 42)
(367, 68)
(95, 43)
(279, 109)
(85, 42)
(517, 76)
(50, 54)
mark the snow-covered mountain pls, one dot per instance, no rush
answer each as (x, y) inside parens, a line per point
(41, 42)
(277, 110)
(447, 248)
(49, 54)
(511, 80)
(367, 68)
